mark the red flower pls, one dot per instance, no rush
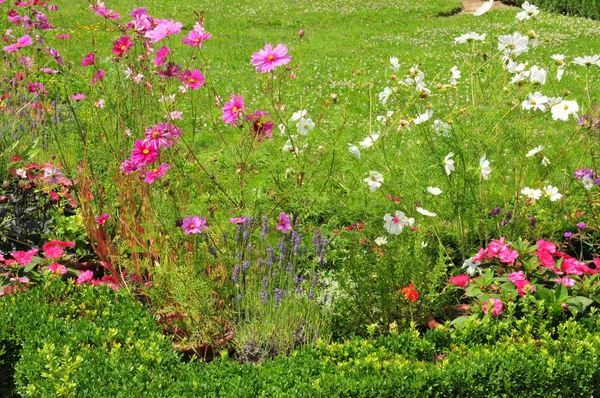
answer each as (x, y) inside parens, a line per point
(122, 45)
(410, 292)
(460, 280)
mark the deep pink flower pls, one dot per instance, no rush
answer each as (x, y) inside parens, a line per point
(479, 256)
(88, 60)
(268, 59)
(193, 79)
(195, 38)
(164, 29)
(49, 71)
(36, 88)
(161, 55)
(63, 36)
(21, 42)
(85, 277)
(158, 137)
(122, 45)
(508, 256)
(143, 153)
(460, 280)
(55, 248)
(193, 225)
(284, 224)
(57, 268)
(98, 76)
(129, 166)
(101, 220)
(517, 276)
(546, 245)
(262, 127)
(568, 282)
(522, 284)
(496, 305)
(232, 109)
(78, 97)
(24, 257)
(495, 247)
(155, 173)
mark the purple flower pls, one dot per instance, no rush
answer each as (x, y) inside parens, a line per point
(278, 296)
(194, 225)
(495, 212)
(579, 174)
(568, 235)
(284, 224)
(532, 221)
(581, 225)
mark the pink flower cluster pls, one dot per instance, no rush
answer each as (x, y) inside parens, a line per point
(102, 11)
(493, 305)
(497, 248)
(87, 277)
(521, 282)
(549, 257)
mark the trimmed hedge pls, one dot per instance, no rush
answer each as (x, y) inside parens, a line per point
(93, 342)
(582, 8)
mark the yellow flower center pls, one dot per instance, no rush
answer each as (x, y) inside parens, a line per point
(155, 171)
(155, 134)
(123, 47)
(533, 102)
(145, 151)
(270, 58)
(235, 109)
(566, 107)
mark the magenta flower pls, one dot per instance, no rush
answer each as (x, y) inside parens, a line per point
(193, 79)
(495, 304)
(55, 248)
(232, 109)
(101, 220)
(21, 42)
(57, 268)
(49, 71)
(129, 166)
(52, 175)
(568, 282)
(122, 45)
(195, 38)
(155, 173)
(193, 225)
(161, 55)
(143, 153)
(78, 97)
(36, 88)
(63, 36)
(268, 59)
(158, 137)
(460, 280)
(88, 60)
(238, 221)
(85, 277)
(24, 258)
(284, 224)
(262, 127)
(164, 29)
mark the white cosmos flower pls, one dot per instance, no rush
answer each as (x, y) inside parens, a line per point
(369, 141)
(386, 118)
(587, 181)
(448, 163)
(587, 60)
(552, 193)
(514, 44)
(353, 149)
(529, 11)
(534, 151)
(519, 77)
(531, 193)
(468, 37)
(537, 75)
(484, 8)
(545, 161)
(535, 101)
(395, 64)
(472, 266)
(563, 109)
(435, 191)
(426, 212)
(440, 127)
(455, 74)
(281, 128)
(424, 244)
(382, 240)
(374, 180)
(298, 115)
(385, 95)
(559, 58)
(305, 126)
(484, 166)
(560, 72)
(422, 118)
(394, 225)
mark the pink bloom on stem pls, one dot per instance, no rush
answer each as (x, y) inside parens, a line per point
(508, 256)
(129, 166)
(78, 97)
(36, 88)
(161, 55)
(568, 282)
(52, 175)
(522, 284)
(85, 277)
(161, 135)
(193, 79)
(98, 76)
(268, 59)
(143, 153)
(101, 220)
(55, 248)
(194, 225)
(517, 276)
(88, 60)
(479, 256)
(195, 38)
(63, 36)
(122, 45)
(460, 280)
(262, 127)
(284, 224)
(238, 221)
(21, 42)
(49, 71)
(495, 247)
(155, 173)
(546, 245)
(232, 109)
(164, 29)
(57, 268)
(24, 257)
(495, 304)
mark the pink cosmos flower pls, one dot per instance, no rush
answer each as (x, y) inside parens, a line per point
(460, 280)
(238, 221)
(36, 88)
(155, 173)
(164, 29)
(193, 79)
(232, 109)
(24, 257)
(52, 175)
(55, 248)
(143, 153)
(495, 304)
(88, 60)
(262, 127)
(268, 59)
(195, 38)
(78, 97)
(101, 220)
(21, 42)
(161, 55)
(158, 137)
(122, 45)
(284, 224)
(129, 166)
(568, 282)
(49, 71)
(85, 277)
(98, 76)
(193, 225)
(57, 268)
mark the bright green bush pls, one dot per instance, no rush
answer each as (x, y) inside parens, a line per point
(583, 8)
